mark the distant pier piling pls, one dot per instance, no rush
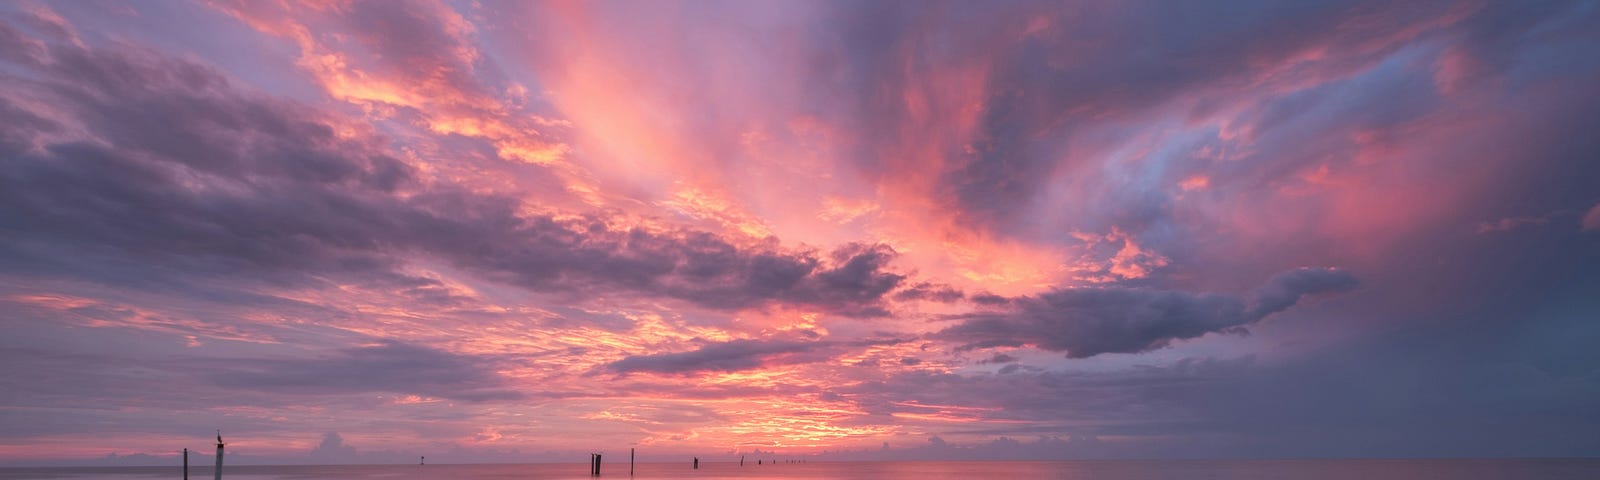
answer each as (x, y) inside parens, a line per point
(630, 462)
(185, 464)
(217, 474)
(741, 460)
(594, 464)
(696, 463)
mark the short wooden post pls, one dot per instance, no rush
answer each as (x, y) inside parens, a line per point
(218, 473)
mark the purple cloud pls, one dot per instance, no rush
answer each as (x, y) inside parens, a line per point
(287, 201)
(386, 367)
(1085, 322)
(738, 355)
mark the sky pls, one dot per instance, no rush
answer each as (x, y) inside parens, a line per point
(363, 231)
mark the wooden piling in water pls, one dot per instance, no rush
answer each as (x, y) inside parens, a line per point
(696, 463)
(217, 475)
(185, 464)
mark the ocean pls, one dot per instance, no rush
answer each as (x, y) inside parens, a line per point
(1587, 469)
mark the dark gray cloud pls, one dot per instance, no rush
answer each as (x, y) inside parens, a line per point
(930, 291)
(1085, 322)
(386, 367)
(727, 356)
(187, 177)
(999, 358)
(990, 299)
(1287, 288)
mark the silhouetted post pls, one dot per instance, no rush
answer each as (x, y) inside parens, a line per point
(741, 460)
(422, 460)
(185, 464)
(696, 463)
(218, 473)
(630, 462)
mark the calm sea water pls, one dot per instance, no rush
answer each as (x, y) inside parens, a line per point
(1587, 469)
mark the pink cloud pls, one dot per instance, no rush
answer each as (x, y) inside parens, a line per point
(720, 227)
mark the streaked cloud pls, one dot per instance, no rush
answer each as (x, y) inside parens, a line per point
(501, 227)
(1085, 322)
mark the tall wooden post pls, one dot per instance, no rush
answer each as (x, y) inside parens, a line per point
(218, 473)
(185, 464)
(630, 462)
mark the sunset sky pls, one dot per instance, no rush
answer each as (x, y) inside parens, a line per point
(349, 232)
